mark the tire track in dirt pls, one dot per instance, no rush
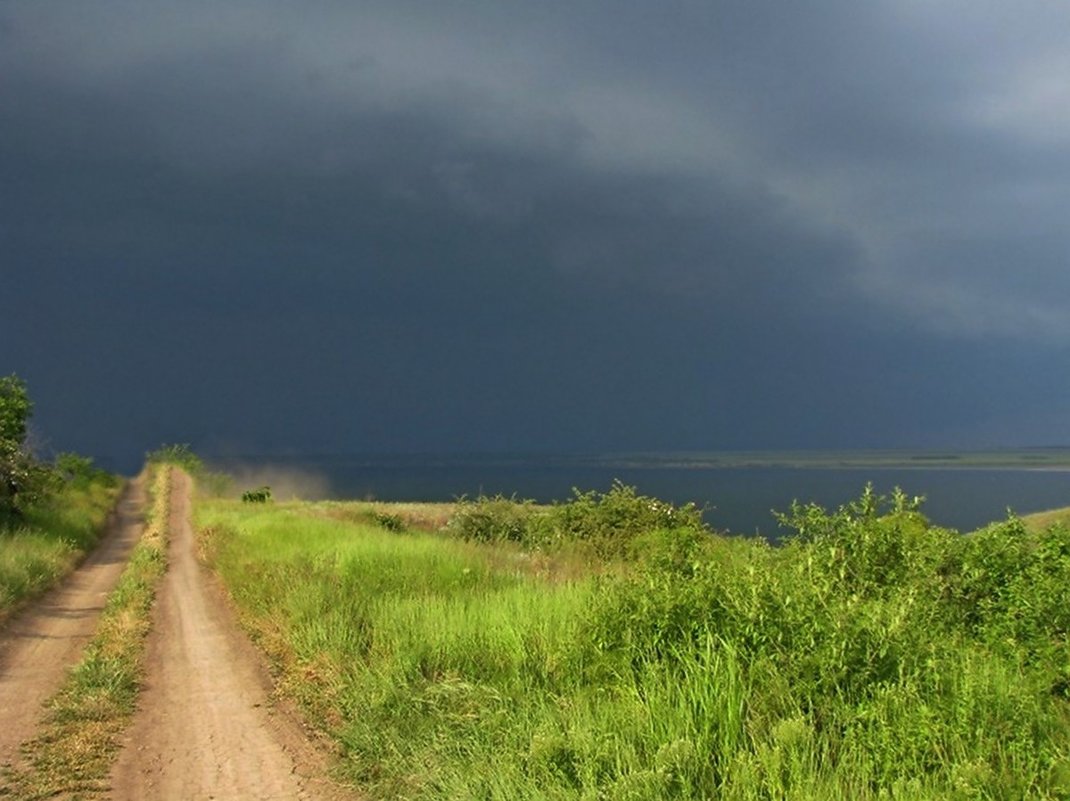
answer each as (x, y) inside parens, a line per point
(38, 645)
(203, 728)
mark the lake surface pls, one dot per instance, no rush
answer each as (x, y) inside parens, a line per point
(737, 499)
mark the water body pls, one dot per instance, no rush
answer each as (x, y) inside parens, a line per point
(736, 499)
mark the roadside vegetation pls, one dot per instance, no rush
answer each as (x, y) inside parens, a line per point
(73, 753)
(51, 514)
(614, 648)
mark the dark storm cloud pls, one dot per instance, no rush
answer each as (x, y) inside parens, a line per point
(492, 226)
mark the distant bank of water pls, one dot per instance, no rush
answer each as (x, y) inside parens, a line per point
(739, 499)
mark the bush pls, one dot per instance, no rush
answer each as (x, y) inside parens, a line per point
(390, 521)
(23, 480)
(261, 495)
(611, 521)
(493, 519)
(1007, 586)
(870, 546)
(180, 455)
(79, 471)
(865, 606)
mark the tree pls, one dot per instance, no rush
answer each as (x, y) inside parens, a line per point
(15, 410)
(20, 476)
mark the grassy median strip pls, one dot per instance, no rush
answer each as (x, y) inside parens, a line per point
(72, 755)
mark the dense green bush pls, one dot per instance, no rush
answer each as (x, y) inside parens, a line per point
(494, 519)
(1008, 587)
(390, 521)
(610, 523)
(261, 495)
(79, 472)
(24, 481)
(902, 647)
(868, 547)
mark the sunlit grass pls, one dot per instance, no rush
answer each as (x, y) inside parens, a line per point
(52, 539)
(420, 516)
(708, 668)
(1039, 521)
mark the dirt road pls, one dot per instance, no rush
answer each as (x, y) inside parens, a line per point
(203, 727)
(37, 646)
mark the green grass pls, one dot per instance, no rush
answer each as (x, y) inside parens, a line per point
(52, 539)
(72, 755)
(875, 657)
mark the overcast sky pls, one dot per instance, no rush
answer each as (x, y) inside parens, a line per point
(564, 226)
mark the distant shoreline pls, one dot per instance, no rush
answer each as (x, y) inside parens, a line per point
(1033, 459)
(1019, 458)
(964, 490)
(1058, 468)
(840, 464)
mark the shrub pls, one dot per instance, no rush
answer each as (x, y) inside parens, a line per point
(1007, 586)
(180, 455)
(390, 521)
(23, 480)
(493, 519)
(608, 522)
(611, 521)
(79, 471)
(261, 495)
(869, 546)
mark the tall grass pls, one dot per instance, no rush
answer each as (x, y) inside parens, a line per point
(874, 657)
(54, 536)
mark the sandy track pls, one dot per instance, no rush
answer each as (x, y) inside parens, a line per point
(38, 645)
(203, 727)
